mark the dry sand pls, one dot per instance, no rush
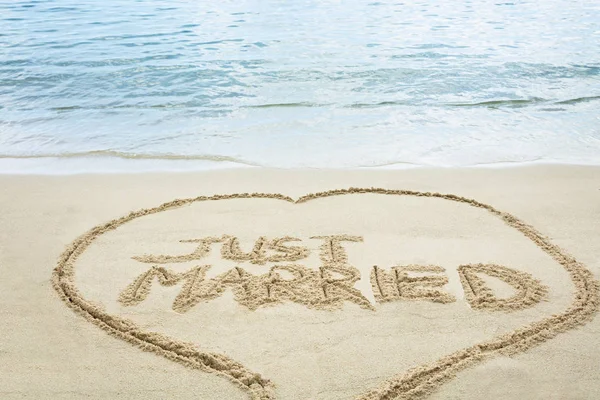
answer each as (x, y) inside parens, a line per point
(458, 283)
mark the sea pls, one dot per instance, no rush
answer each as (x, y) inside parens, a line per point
(126, 85)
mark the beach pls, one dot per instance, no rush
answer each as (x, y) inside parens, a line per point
(299, 200)
(347, 342)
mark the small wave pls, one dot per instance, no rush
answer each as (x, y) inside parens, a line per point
(525, 102)
(133, 156)
(579, 100)
(431, 55)
(284, 105)
(501, 103)
(180, 105)
(380, 104)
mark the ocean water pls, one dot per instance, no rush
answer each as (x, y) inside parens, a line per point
(123, 84)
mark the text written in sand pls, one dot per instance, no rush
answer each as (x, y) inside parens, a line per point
(327, 287)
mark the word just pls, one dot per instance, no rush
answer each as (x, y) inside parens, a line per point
(327, 287)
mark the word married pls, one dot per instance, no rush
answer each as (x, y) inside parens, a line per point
(327, 287)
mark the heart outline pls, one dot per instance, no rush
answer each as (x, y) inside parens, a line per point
(414, 383)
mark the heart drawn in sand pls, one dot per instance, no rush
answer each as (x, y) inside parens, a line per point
(413, 383)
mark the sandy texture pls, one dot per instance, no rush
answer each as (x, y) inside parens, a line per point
(289, 306)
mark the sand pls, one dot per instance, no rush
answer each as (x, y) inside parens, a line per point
(269, 284)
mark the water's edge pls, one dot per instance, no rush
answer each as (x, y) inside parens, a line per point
(114, 164)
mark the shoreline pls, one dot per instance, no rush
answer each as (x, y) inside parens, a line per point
(116, 165)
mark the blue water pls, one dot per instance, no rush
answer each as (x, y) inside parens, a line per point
(299, 83)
